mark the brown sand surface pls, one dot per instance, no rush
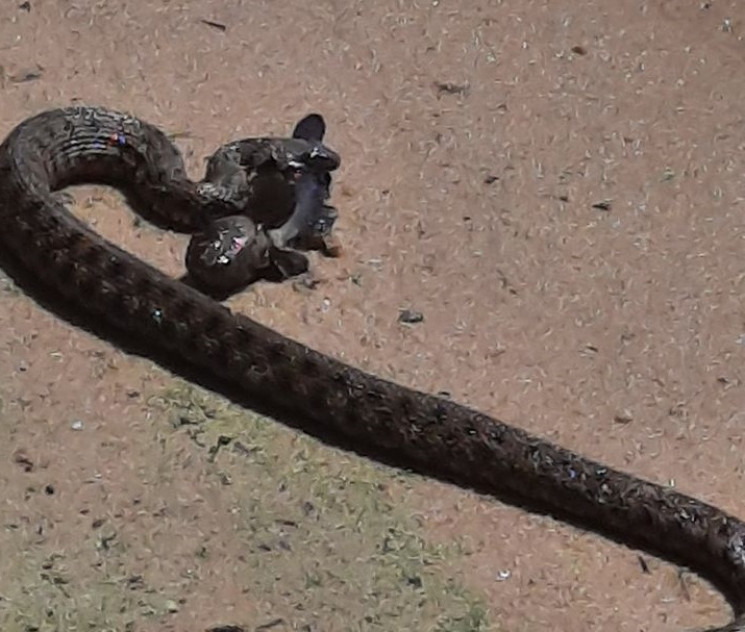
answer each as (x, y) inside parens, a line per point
(557, 186)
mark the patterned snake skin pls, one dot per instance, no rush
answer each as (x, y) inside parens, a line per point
(317, 393)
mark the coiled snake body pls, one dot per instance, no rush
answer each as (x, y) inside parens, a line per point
(320, 394)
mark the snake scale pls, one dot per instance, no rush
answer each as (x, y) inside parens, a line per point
(318, 393)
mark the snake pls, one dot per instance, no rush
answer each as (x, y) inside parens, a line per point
(284, 207)
(316, 393)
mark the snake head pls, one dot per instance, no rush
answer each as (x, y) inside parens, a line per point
(307, 151)
(318, 158)
(310, 156)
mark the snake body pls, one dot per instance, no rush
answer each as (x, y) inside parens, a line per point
(320, 394)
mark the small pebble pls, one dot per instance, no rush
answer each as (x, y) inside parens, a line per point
(332, 247)
(410, 316)
(172, 606)
(624, 417)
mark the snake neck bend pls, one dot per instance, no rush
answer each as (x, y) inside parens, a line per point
(416, 430)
